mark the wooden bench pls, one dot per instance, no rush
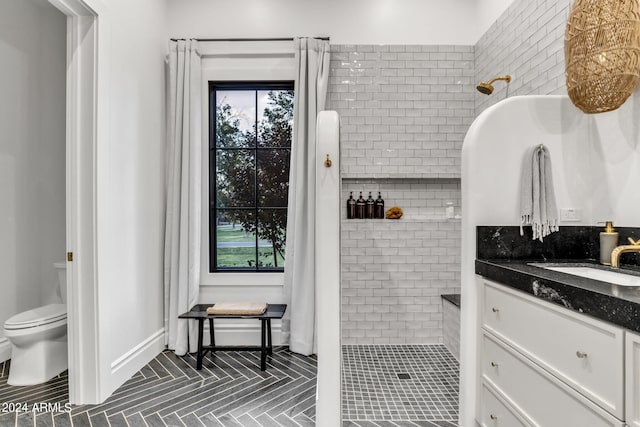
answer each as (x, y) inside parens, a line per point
(199, 312)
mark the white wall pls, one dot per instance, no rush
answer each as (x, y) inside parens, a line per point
(487, 12)
(615, 160)
(503, 135)
(130, 186)
(32, 153)
(346, 22)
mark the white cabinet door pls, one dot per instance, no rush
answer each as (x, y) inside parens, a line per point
(632, 400)
(584, 352)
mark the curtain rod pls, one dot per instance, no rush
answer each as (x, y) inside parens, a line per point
(277, 39)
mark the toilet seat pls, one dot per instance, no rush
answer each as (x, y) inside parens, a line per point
(37, 317)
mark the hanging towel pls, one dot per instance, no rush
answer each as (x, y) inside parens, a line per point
(537, 197)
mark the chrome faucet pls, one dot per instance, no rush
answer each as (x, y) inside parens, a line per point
(619, 250)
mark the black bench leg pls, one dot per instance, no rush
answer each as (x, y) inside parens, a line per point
(263, 347)
(269, 344)
(212, 337)
(200, 350)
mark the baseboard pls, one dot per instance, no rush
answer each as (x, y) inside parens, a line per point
(5, 349)
(245, 333)
(123, 368)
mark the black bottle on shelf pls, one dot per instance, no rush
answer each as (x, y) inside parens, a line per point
(369, 211)
(360, 207)
(351, 206)
(379, 207)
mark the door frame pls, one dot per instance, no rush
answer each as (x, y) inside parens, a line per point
(82, 115)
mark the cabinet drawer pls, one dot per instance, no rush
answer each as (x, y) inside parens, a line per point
(541, 397)
(584, 352)
(494, 412)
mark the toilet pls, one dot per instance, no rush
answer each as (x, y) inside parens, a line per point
(39, 339)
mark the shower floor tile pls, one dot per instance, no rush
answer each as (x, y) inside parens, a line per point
(399, 383)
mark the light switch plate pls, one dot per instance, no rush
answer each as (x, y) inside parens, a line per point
(570, 214)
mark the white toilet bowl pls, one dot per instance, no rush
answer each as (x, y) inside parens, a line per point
(39, 342)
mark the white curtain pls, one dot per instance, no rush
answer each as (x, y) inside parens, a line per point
(299, 325)
(182, 227)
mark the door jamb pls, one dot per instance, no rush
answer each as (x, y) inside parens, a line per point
(81, 198)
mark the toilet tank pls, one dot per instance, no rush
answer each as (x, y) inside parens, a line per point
(61, 268)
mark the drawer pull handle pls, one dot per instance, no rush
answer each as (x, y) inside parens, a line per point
(495, 310)
(581, 354)
(493, 417)
(494, 364)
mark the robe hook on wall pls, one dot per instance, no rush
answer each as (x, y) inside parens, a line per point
(327, 162)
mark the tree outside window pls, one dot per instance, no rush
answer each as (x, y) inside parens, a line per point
(250, 148)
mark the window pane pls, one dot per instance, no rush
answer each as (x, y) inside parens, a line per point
(272, 226)
(275, 118)
(235, 178)
(236, 240)
(273, 177)
(235, 118)
(250, 150)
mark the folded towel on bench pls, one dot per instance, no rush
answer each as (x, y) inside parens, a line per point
(238, 308)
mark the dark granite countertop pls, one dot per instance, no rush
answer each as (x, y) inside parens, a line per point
(616, 304)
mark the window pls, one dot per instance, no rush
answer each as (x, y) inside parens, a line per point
(250, 147)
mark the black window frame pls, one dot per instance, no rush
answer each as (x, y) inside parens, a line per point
(213, 208)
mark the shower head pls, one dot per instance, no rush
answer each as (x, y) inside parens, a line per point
(484, 87)
(487, 87)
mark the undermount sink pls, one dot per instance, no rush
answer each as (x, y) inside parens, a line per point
(617, 278)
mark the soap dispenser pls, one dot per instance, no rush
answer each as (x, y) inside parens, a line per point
(608, 241)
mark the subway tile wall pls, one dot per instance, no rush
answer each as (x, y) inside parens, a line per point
(394, 271)
(404, 109)
(527, 42)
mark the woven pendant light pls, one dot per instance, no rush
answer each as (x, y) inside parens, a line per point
(602, 53)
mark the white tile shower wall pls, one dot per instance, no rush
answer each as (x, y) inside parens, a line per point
(394, 271)
(527, 42)
(404, 109)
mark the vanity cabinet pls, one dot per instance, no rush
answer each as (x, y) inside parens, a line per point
(632, 387)
(549, 365)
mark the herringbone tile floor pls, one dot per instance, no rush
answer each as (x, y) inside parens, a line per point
(229, 391)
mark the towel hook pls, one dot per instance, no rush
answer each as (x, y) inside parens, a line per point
(327, 162)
